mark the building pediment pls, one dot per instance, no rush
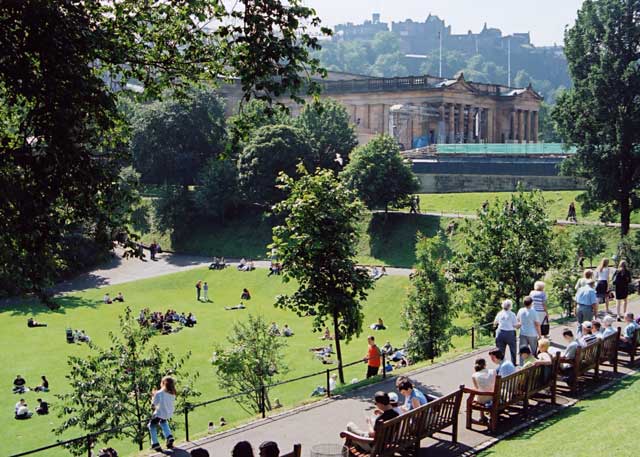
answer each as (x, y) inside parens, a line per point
(458, 85)
(525, 94)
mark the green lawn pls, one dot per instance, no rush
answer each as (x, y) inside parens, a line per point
(33, 352)
(469, 203)
(605, 424)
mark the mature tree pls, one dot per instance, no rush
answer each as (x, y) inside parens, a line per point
(505, 251)
(428, 312)
(253, 360)
(589, 242)
(173, 139)
(317, 246)
(379, 174)
(217, 189)
(389, 65)
(174, 211)
(273, 149)
(600, 114)
(328, 124)
(548, 131)
(112, 387)
(61, 134)
(385, 43)
(251, 117)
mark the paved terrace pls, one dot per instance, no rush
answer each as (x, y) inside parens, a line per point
(323, 421)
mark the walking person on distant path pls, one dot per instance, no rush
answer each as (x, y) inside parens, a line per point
(372, 358)
(603, 273)
(418, 203)
(571, 214)
(163, 403)
(198, 289)
(506, 323)
(529, 322)
(539, 297)
(412, 205)
(586, 300)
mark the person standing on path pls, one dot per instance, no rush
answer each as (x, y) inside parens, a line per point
(372, 358)
(530, 330)
(163, 403)
(586, 300)
(603, 273)
(506, 324)
(198, 289)
(205, 289)
(621, 280)
(539, 297)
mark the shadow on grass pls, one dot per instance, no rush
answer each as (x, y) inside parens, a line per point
(392, 236)
(31, 306)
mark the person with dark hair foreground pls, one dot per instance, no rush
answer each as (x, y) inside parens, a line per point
(242, 449)
(386, 412)
(269, 449)
(199, 452)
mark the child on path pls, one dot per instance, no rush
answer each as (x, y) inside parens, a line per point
(163, 406)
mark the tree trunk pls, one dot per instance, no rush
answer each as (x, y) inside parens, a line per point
(625, 215)
(338, 350)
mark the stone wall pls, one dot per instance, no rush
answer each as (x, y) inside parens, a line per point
(450, 183)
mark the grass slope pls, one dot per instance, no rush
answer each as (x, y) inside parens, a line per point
(33, 352)
(601, 425)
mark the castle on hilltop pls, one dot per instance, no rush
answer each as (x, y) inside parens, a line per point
(423, 37)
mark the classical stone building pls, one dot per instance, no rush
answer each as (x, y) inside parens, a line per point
(424, 110)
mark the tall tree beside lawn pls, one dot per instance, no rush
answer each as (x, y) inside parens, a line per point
(428, 312)
(217, 188)
(379, 174)
(252, 360)
(328, 124)
(173, 139)
(600, 114)
(317, 246)
(505, 251)
(272, 150)
(250, 117)
(62, 138)
(112, 387)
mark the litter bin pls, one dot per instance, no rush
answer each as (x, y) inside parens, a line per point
(327, 450)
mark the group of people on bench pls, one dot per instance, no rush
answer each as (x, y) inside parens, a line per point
(162, 322)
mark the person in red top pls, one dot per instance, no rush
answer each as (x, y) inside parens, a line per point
(372, 358)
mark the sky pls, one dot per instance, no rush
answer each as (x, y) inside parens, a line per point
(545, 19)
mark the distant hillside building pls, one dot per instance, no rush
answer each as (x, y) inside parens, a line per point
(423, 37)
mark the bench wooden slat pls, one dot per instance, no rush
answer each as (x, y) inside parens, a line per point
(609, 351)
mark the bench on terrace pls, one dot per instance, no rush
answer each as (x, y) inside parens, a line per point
(586, 359)
(609, 351)
(633, 350)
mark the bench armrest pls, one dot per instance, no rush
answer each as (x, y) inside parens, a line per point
(467, 390)
(348, 436)
(565, 360)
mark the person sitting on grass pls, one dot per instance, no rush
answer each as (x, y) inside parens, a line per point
(326, 335)
(44, 387)
(286, 331)
(22, 411)
(43, 407)
(238, 306)
(382, 404)
(31, 322)
(387, 349)
(119, 297)
(191, 320)
(378, 325)
(107, 299)
(245, 294)
(274, 330)
(626, 339)
(19, 385)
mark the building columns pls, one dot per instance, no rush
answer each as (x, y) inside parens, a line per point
(470, 124)
(490, 126)
(534, 123)
(460, 134)
(442, 137)
(451, 130)
(520, 126)
(527, 126)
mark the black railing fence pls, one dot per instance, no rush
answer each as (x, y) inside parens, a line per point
(91, 439)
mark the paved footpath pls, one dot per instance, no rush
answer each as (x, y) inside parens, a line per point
(323, 421)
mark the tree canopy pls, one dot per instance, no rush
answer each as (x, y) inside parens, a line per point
(600, 114)
(272, 150)
(316, 244)
(174, 138)
(379, 174)
(62, 138)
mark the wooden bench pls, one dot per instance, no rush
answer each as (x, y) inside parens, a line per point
(513, 390)
(402, 435)
(609, 351)
(634, 350)
(586, 359)
(297, 451)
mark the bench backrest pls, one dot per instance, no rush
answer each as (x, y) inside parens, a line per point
(543, 376)
(297, 451)
(609, 348)
(588, 357)
(402, 432)
(512, 388)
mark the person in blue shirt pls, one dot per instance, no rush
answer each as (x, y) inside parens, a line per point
(586, 300)
(626, 339)
(504, 367)
(413, 397)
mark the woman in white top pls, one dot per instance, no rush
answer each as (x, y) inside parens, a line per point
(602, 286)
(483, 381)
(506, 324)
(163, 406)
